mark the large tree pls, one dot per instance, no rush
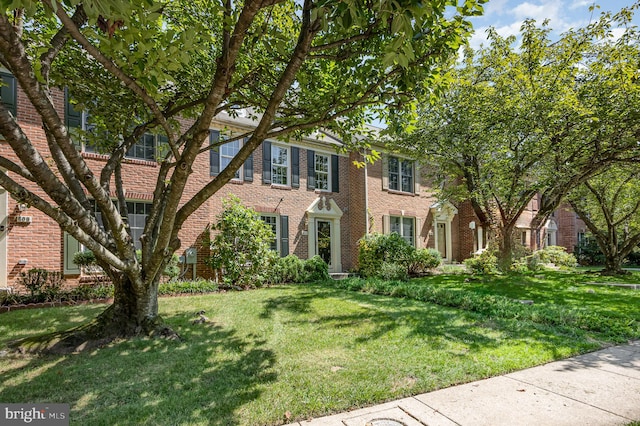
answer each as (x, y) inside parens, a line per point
(140, 67)
(609, 205)
(530, 115)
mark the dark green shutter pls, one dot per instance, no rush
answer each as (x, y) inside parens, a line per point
(214, 153)
(8, 93)
(295, 167)
(71, 247)
(335, 175)
(284, 236)
(248, 168)
(311, 169)
(266, 162)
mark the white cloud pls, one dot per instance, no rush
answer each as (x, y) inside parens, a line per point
(539, 12)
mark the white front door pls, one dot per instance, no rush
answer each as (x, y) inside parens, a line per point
(4, 230)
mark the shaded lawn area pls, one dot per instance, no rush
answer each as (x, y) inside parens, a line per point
(273, 356)
(575, 289)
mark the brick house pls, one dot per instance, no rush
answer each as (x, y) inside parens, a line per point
(316, 200)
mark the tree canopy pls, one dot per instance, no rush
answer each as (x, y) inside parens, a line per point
(170, 67)
(530, 115)
(609, 205)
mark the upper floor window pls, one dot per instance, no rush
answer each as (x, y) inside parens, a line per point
(221, 156)
(149, 148)
(279, 165)
(400, 174)
(405, 227)
(321, 170)
(75, 120)
(227, 152)
(8, 92)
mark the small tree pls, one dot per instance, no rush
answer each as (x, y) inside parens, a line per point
(609, 205)
(241, 249)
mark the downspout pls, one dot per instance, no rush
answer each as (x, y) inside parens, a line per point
(366, 195)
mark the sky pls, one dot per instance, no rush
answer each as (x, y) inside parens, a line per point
(507, 15)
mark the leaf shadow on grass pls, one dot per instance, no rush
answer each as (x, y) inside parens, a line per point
(204, 379)
(552, 288)
(381, 315)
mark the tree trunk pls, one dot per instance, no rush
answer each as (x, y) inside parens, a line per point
(134, 310)
(505, 248)
(613, 263)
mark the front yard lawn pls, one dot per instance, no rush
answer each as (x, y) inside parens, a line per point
(276, 355)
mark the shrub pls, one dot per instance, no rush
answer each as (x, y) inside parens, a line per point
(288, 269)
(588, 253)
(423, 260)
(34, 280)
(315, 269)
(483, 263)
(187, 287)
(43, 285)
(92, 291)
(375, 249)
(393, 272)
(241, 248)
(84, 258)
(554, 255)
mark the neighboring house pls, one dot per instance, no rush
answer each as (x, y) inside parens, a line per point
(563, 228)
(316, 201)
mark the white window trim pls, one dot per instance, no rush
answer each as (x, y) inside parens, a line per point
(329, 171)
(240, 171)
(401, 233)
(277, 236)
(288, 149)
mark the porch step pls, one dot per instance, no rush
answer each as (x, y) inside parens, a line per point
(339, 275)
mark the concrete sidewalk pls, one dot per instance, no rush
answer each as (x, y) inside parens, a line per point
(599, 388)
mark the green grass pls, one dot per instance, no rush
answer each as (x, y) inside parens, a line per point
(309, 350)
(554, 288)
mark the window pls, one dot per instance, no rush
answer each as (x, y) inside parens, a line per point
(272, 221)
(400, 174)
(403, 226)
(138, 213)
(280, 227)
(149, 148)
(221, 156)
(76, 121)
(8, 92)
(321, 169)
(279, 165)
(227, 152)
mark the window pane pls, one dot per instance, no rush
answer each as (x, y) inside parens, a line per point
(322, 171)
(393, 165)
(407, 229)
(272, 221)
(395, 225)
(279, 165)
